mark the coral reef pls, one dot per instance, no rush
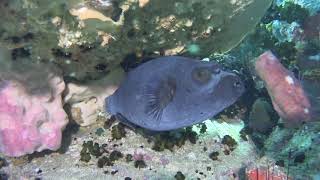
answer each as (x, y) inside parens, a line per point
(285, 32)
(263, 169)
(311, 5)
(94, 42)
(285, 29)
(296, 150)
(292, 12)
(85, 101)
(311, 27)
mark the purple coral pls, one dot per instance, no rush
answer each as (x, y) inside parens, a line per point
(140, 154)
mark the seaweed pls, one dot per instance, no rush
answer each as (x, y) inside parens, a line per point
(3, 162)
(179, 176)
(291, 12)
(129, 158)
(115, 155)
(140, 164)
(230, 142)
(214, 155)
(118, 131)
(167, 140)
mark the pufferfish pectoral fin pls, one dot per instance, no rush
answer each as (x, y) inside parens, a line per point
(158, 94)
(125, 121)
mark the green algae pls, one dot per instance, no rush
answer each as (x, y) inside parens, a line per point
(179, 176)
(214, 155)
(169, 140)
(230, 142)
(118, 131)
(291, 12)
(140, 164)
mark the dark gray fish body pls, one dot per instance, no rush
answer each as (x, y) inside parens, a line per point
(173, 92)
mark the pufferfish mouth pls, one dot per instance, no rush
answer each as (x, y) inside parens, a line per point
(233, 82)
(238, 85)
(237, 82)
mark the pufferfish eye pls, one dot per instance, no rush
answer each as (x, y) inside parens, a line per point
(216, 71)
(201, 75)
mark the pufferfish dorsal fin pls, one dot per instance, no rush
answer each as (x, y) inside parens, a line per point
(158, 95)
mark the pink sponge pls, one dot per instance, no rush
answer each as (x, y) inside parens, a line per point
(30, 122)
(287, 94)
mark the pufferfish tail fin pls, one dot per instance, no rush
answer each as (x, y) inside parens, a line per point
(109, 105)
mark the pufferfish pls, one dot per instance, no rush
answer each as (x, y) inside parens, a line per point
(172, 92)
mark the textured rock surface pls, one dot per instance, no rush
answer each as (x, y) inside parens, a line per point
(298, 149)
(265, 168)
(87, 100)
(260, 118)
(191, 159)
(30, 122)
(89, 38)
